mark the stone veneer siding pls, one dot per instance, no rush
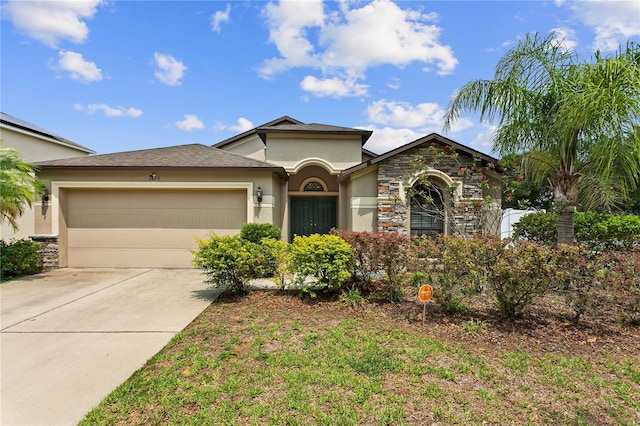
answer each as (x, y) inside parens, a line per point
(49, 253)
(393, 212)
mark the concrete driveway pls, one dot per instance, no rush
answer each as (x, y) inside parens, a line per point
(68, 337)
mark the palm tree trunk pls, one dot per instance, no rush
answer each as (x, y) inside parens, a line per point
(566, 229)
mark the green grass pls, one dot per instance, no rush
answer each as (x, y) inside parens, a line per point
(250, 365)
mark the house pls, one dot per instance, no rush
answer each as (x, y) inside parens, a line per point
(34, 144)
(145, 208)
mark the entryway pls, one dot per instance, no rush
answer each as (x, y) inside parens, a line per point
(313, 215)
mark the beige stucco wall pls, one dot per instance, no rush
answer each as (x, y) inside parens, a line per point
(32, 148)
(331, 152)
(362, 200)
(251, 146)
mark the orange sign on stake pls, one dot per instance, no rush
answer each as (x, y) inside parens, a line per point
(425, 293)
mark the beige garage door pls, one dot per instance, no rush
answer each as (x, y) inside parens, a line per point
(146, 228)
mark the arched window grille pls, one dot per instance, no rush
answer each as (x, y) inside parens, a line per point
(313, 186)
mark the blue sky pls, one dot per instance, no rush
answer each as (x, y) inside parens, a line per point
(125, 75)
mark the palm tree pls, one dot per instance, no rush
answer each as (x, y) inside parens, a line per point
(572, 121)
(18, 186)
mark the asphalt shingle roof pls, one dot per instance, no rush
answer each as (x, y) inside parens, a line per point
(12, 121)
(182, 156)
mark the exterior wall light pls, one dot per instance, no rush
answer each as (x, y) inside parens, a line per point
(259, 194)
(153, 177)
(45, 195)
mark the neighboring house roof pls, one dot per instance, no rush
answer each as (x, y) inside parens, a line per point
(430, 138)
(286, 124)
(182, 156)
(16, 124)
(285, 119)
(313, 128)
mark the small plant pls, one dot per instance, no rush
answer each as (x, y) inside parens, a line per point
(19, 258)
(352, 298)
(474, 327)
(419, 279)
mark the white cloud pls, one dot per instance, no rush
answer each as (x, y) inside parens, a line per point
(334, 87)
(484, 138)
(242, 126)
(387, 138)
(613, 22)
(190, 122)
(220, 17)
(169, 70)
(566, 37)
(52, 21)
(109, 111)
(77, 67)
(342, 42)
(427, 117)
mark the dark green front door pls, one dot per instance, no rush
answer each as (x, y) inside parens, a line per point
(313, 215)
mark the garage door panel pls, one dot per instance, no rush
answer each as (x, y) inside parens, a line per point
(225, 218)
(147, 228)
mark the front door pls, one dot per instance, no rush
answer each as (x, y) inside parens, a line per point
(313, 215)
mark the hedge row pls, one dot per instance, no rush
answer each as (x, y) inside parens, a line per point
(597, 231)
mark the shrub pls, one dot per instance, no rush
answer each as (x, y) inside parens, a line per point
(603, 232)
(364, 263)
(456, 267)
(324, 258)
(622, 275)
(376, 252)
(539, 227)
(19, 258)
(255, 232)
(275, 259)
(227, 261)
(523, 270)
(392, 259)
(577, 275)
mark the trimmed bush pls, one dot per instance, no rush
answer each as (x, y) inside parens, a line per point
(255, 232)
(19, 258)
(227, 261)
(324, 258)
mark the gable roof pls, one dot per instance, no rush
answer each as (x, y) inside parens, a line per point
(313, 128)
(22, 126)
(430, 138)
(285, 119)
(181, 156)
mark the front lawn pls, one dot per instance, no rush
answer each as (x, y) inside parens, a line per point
(275, 358)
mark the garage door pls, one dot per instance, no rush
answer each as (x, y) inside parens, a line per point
(146, 228)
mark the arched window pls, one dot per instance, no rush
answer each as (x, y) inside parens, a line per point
(313, 186)
(427, 212)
